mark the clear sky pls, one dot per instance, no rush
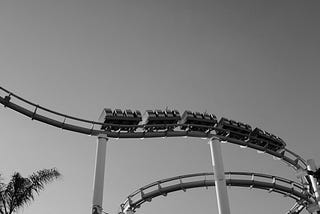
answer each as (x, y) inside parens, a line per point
(253, 61)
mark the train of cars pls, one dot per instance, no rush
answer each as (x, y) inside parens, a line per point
(159, 120)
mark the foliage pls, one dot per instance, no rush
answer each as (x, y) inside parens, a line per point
(21, 191)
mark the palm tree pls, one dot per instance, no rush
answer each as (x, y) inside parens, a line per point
(21, 191)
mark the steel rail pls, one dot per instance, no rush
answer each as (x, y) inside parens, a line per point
(296, 162)
(296, 208)
(270, 183)
(46, 109)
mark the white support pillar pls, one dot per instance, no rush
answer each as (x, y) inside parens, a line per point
(312, 167)
(99, 174)
(219, 177)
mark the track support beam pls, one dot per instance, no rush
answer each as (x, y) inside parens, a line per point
(312, 167)
(99, 174)
(219, 177)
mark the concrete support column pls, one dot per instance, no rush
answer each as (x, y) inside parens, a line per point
(219, 177)
(99, 174)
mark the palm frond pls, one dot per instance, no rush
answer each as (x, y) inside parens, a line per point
(42, 177)
(2, 202)
(20, 191)
(13, 191)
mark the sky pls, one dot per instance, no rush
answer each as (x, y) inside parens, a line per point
(250, 61)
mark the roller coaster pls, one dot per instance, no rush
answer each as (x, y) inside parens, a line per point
(170, 123)
(270, 183)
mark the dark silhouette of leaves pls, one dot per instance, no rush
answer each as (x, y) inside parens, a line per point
(21, 191)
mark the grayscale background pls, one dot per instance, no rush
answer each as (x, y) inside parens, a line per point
(252, 61)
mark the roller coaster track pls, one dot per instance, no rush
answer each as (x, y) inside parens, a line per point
(269, 183)
(90, 127)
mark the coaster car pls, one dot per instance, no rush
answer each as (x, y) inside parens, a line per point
(233, 129)
(119, 117)
(160, 120)
(195, 121)
(266, 140)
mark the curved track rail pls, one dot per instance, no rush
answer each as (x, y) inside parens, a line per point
(90, 127)
(269, 183)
